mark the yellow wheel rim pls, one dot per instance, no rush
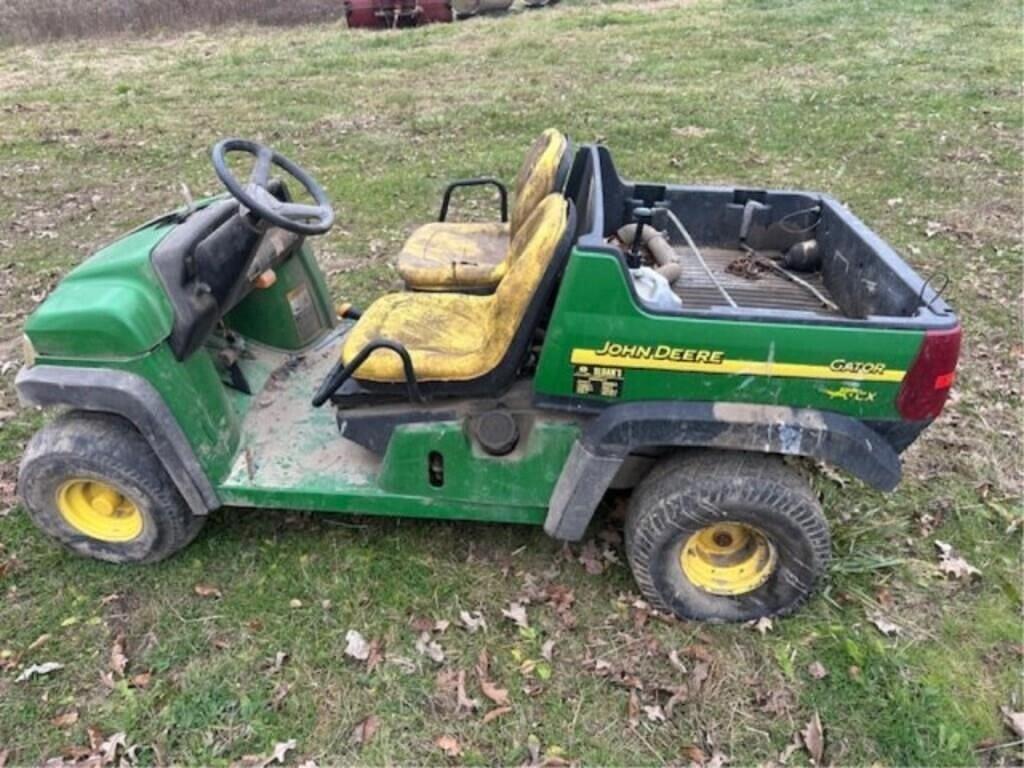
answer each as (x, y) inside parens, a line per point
(99, 510)
(728, 559)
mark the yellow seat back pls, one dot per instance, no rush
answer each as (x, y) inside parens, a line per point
(538, 176)
(530, 254)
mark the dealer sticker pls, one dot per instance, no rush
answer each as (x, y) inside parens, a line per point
(597, 380)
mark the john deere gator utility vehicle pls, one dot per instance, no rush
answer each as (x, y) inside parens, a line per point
(682, 342)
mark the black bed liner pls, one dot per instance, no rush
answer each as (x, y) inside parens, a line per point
(872, 286)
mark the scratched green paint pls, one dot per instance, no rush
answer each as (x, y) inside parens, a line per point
(594, 306)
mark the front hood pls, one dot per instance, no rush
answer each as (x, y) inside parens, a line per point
(110, 306)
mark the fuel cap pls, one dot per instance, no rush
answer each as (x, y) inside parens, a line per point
(497, 432)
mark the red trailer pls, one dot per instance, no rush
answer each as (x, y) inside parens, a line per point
(389, 14)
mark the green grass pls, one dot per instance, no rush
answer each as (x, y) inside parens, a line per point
(908, 111)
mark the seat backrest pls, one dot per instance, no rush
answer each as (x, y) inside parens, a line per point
(542, 239)
(543, 172)
(516, 309)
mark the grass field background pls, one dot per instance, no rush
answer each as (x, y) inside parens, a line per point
(909, 111)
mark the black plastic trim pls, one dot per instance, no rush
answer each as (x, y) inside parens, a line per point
(565, 165)
(340, 373)
(622, 429)
(373, 431)
(480, 182)
(135, 399)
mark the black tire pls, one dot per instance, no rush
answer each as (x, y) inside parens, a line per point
(106, 448)
(692, 491)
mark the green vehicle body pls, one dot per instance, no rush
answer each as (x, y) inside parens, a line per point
(603, 347)
(111, 313)
(595, 309)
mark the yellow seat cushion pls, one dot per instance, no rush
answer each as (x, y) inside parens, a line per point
(452, 256)
(442, 254)
(460, 337)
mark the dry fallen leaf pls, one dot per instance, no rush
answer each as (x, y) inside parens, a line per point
(463, 702)
(763, 625)
(679, 696)
(118, 659)
(38, 670)
(701, 672)
(590, 558)
(446, 684)
(654, 713)
(952, 564)
(495, 713)
(516, 612)
(483, 664)
(813, 736)
(449, 746)
(776, 701)
(817, 670)
(694, 754)
(885, 626)
(1014, 721)
(207, 590)
(142, 679)
(356, 646)
(884, 597)
(376, 657)
(37, 642)
(111, 746)
(633, 709)
(430, 648)
(364, 731)
(699, 652)
(280, 753)
(796, 743)
(473, 621)
(675, 661)
(422, 624)
(547, 650)
(95, 737)
(498, 695)
(65, 720)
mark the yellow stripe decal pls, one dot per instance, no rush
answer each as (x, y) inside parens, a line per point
(735, 367)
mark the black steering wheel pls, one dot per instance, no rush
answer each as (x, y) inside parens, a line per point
(299, 218)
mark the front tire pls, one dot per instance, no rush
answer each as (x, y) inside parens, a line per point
(91, 481)
(721, 536)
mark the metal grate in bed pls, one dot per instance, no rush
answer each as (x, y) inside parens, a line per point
(769, 291)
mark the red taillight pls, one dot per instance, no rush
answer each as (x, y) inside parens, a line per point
(926, 386)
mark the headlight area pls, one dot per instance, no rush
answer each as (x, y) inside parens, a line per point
(28, 351)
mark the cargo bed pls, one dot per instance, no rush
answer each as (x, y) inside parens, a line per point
(861, 278)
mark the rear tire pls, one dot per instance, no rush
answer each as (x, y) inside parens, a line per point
(92, 482)
(721, 536)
